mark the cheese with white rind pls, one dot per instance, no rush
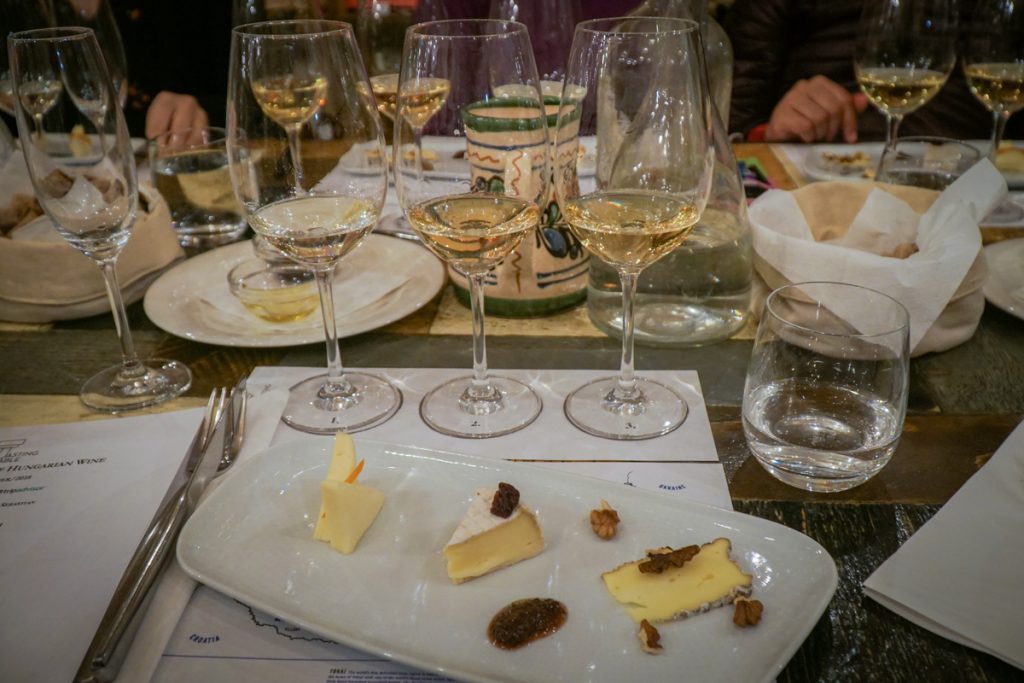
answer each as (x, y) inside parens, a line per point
(343, 461)
(483, 542)
(711, 579)
(351, 509)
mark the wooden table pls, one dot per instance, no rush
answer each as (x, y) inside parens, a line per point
(963, 404)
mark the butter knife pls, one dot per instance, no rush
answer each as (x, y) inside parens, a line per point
(110, 644)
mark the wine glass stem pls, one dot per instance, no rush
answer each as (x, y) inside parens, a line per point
(130, 365)
(417, 144)
(627, 380)
(998, 126)
(336, 382)
(893, 122)
(481, 384)
(40, 135)
(296, 154)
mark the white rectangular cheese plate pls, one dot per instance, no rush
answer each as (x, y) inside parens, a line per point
(253, 540)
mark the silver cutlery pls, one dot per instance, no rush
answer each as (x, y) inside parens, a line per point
(209, 447)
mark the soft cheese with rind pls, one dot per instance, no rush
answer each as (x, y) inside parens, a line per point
(483, 542)
(343, 461)
(711, 579)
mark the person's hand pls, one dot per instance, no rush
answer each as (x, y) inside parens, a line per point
(173, 112)
(816, 110)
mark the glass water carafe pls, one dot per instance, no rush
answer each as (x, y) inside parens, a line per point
(717, 48)
(700, 293)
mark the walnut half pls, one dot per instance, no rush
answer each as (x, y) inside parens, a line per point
(650, 639)
(748, 612)
(604, 521)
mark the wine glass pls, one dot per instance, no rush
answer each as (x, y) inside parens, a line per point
(298, 101)
(905, 51)
(89, 192)
(994, 67)
(95, 14)
(380, 27)
(640, 85)
(473, 217)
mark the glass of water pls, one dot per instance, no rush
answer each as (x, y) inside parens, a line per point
(929, 162)
(190, 170)
(826, 389)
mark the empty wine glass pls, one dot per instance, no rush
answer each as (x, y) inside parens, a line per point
(640, 85)
(87, 188)
(452, 72)
(994, 67)
(905, 51)
(298, 101)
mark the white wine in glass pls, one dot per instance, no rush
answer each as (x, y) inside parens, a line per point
(91, 199)
(304, 81)
(994, 62)
(994, 66)
(472, 220)
(639, 85)
(904, 54)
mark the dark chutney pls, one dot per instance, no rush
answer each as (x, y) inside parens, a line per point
(523, 621)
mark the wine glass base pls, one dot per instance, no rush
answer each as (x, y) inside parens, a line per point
(1008, 211)
(657, 410)
(367, 402)
(116, 390)
(448, 410)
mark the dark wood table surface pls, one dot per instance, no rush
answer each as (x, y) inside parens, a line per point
(963, 404)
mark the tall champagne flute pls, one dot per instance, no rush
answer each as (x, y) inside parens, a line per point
(91, 197)
(905, 51)
(472, 219)
(298, 101)
(640, 85)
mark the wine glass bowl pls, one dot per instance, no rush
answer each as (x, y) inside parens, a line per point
(452, 74)
(639, 85)
(904, 54)
(304, 81)
(87, 187)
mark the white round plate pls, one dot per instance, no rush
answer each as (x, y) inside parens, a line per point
(822, 162)
(192, 300)
(1004, 286)
(449, 161)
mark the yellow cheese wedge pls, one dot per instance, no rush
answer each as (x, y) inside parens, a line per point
(351, 509)
(710, 579)
(343, 461)
(483, 542)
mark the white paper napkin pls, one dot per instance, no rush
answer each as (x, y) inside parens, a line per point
(960, 575)
(947, 238)
(172, 593)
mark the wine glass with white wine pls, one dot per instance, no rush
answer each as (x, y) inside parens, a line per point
(640, 85)
(472, 216)
(994, 66)
(904, 54)
(298, 101)
(89, 192)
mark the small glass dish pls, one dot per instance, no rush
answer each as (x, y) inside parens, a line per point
(275, 292)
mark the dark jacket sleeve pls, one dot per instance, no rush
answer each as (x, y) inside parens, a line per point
(758, 30)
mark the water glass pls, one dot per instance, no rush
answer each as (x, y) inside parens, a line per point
(826, 389)
(928, 162)
(190, 170)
